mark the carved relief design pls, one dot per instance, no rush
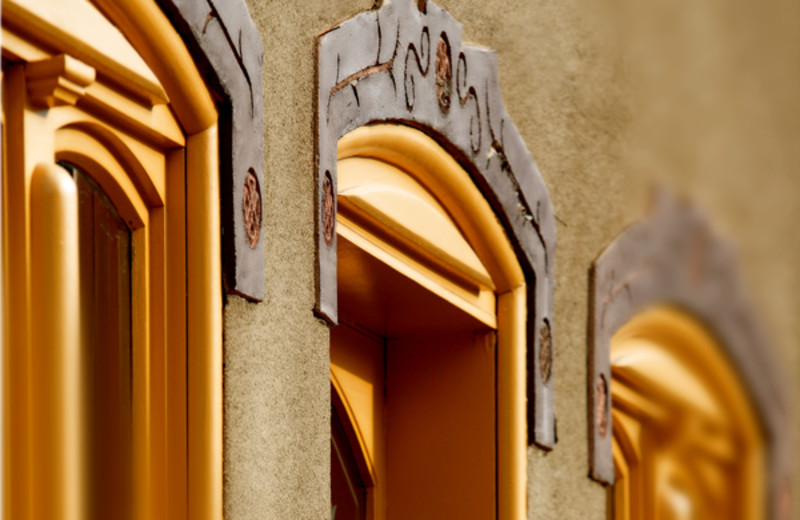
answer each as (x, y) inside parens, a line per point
(382, 66)
(328, 209)
(251, 208)
(545, 351)
(674, 258)
(601, 405)
(444, 73)
(421, 60)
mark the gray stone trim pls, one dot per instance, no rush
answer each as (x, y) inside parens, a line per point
(405, 63)
(226, 46)
(673, 257)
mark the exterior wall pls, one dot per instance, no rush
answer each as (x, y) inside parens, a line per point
(608, 98)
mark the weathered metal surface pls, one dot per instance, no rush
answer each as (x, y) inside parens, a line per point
(674, 258)
(406, 63)
(227, 48)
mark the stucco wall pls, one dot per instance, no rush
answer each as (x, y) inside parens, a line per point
(610, 96)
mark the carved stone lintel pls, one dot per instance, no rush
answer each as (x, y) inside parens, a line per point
(60, 80)
(405, 63)
(674, 258)
(226, 45)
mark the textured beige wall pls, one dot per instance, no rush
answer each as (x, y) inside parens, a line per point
(277, 382)
(701, 95)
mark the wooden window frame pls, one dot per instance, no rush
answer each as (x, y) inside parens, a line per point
(674, 257)
(440, 174)
(178, 390)
(702, 384)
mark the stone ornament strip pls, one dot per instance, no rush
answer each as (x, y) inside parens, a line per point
(674, 258)
(405, 63)
(226, 45)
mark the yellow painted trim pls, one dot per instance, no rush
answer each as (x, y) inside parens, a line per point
(78, 28)
(152, 35)
(17, 48)
(438, 172)
(377, 192)
(3, 324)
(105, 169)
(371, 476)
(16, 218)
(55, 357)
(414, 152)
(143, 164)
(159, 262)
(155, 125)
(511, 414)
(131, 157)
(140, 366)
(480, 305)
(639, 398)
(204, 297)
(176, 334)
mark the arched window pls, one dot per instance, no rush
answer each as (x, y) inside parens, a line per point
(435, 235)
(112, 304)
(686, 441)
(428, 361)
(688, 411)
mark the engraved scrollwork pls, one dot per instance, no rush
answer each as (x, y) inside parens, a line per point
(466, 93)
(423, 59)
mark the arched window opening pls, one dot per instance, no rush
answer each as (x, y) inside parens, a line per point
(429, 356)
(687, 407)
(405, 62)
(687, 443)
(111, 267)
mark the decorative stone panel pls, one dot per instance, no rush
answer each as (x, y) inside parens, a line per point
(674, 258)
(405, 63)
(226, 45)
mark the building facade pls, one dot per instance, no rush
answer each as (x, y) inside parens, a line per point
(400, 259)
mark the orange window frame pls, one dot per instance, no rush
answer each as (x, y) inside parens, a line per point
(153, 148)
(671, 380)
(438, 173)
